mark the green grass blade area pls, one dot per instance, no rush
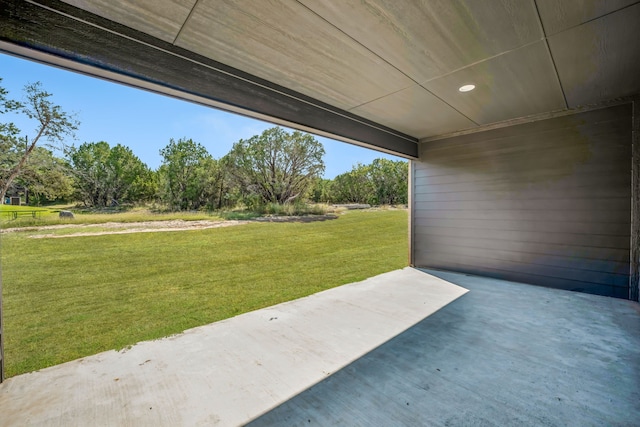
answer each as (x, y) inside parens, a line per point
(10, 215)
(22, 216)
(12, 208)
(71, 297)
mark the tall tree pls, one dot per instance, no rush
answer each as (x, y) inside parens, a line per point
(321, 191)
(277, 166)
(51, 124)
(189, 176)
(390, 181)
(354, 186)
(45, 178)
(383, 182)
(106, 175)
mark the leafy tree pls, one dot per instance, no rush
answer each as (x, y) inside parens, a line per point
(46, 178)
(354, 186)
(51, 124)
(144, 188)
(189, 177)
(321, 191)
(390, 180)
(276, 166)
(383, 182)
(106, 175)
(130, 178)
(89, 165)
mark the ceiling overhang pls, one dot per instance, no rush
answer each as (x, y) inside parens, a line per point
(58, 34)
(378, 73)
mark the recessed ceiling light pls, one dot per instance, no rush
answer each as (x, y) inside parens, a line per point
(467, 88)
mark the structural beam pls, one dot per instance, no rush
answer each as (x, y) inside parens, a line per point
(59, 34)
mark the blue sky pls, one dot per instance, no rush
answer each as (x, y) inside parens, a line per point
(145, 121)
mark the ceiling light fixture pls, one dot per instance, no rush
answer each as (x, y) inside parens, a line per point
(467, 88)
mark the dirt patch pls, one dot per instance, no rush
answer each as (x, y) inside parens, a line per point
(128, 227)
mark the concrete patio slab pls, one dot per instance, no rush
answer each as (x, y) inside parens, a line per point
(230, 372)
(504, 354)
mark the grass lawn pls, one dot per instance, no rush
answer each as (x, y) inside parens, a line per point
(12, 208)
(23, 214)
(50, 216)
(72, 297)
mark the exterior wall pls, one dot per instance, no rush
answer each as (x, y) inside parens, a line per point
(634, 282)
(546, 203)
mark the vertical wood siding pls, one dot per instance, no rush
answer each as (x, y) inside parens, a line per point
(546, 203)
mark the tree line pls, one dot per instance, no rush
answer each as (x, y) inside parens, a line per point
(275, 167)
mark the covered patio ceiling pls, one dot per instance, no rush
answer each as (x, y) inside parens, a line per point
(379, 73)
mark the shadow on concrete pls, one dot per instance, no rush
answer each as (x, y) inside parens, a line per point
(503, 354)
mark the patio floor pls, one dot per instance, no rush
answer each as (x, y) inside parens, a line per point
(504, 354)
(402, 348)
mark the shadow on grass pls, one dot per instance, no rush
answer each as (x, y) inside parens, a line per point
(305, 218)
(238, 216)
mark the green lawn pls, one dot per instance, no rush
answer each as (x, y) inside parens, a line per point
(72, 297)
(12, 208)
(50, 216)
(22, 214)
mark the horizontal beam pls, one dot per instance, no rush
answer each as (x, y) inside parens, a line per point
(62, 35)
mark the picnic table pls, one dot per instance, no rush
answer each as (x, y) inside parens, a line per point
(15, 214)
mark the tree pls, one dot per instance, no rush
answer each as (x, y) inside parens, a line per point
(321, 191)
(354, 186)
(130, 178)
(189, 177)
(390, 180)
(106, 175)
(45, 178)
(383, 182)
(276, 166)
(51, 124)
